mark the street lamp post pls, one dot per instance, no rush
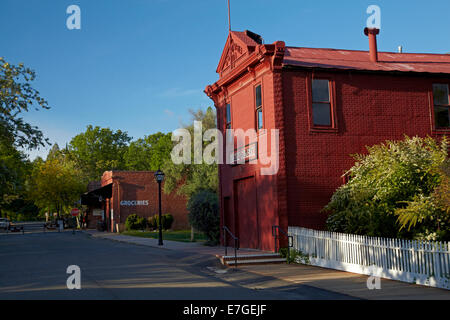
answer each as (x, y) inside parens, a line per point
(159, 175)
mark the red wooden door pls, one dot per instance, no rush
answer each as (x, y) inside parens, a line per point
(247, 214)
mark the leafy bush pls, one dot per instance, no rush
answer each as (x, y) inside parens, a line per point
(142, 222)
(442, 192)
(391, 192)
(167, 221)
(134, 222)
(204, 215)
(151, 222)
(295, 256)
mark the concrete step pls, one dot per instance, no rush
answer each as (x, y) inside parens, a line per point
(252, 256)
(257, 261)
(247, 259)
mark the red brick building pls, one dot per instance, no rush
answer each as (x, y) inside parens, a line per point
(121, 193)
(327, 104)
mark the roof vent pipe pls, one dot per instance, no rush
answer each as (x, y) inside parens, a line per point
(372, 34)
(400, 49)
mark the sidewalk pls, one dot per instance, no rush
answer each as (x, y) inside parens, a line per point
(351, 284)
(289, 277)
(194, 247)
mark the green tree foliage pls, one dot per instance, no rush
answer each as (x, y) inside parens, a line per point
(204, 214)
(55, 184)
(191, 178)
(442, 192)
(98, 150)
(54, 152)
(148, 154)
(391, 192)
(14, 170)
(16, 97)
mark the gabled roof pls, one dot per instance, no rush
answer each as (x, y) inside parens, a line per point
(243, 50)
(238, 44)
(244, 43)
(359, 60)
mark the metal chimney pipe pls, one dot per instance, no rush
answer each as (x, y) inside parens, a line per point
(373, 49)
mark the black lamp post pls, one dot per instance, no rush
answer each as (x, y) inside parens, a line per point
(159, 175)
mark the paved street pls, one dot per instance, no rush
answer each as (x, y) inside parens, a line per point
(33, 266)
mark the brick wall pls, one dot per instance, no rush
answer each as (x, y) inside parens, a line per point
(370, 108)
(131, 186)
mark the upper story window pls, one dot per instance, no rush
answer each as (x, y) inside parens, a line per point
(259, 108)
(441, 106)
(228, 116)
(321, 103)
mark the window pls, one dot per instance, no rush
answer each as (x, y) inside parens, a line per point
(228, 116)
(321, 103)
(259, 110)
(441, 106)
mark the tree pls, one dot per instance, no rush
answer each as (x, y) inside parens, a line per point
(55, 185)
(98, 150)
(148, 154)
(191, 178)
(14, 169)
(16, 97)
(54, 152)
(204, 214)
(391, 190)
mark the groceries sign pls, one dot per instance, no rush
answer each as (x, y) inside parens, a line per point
(134, 203)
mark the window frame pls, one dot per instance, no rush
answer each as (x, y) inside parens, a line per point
(228, 124)
(332, 128)
(433, 107)
(258, 108)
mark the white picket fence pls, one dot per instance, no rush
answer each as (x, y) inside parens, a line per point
(420, 262)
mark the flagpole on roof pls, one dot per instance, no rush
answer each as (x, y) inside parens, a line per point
(229, 17)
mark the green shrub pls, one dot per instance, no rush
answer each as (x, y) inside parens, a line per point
(167, 221)
(151, 222)
(134, 222)
(391, 191)
(156, 219)
(142, 223)
(204, 215)
(295, 256)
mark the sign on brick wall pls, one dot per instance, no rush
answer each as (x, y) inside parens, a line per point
(246, 154)
(134, 203)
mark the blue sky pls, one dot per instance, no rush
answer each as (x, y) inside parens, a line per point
(139, 65)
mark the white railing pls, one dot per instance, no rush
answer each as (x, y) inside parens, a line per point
(420, 262)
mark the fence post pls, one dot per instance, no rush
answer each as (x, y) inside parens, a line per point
(436, 264)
